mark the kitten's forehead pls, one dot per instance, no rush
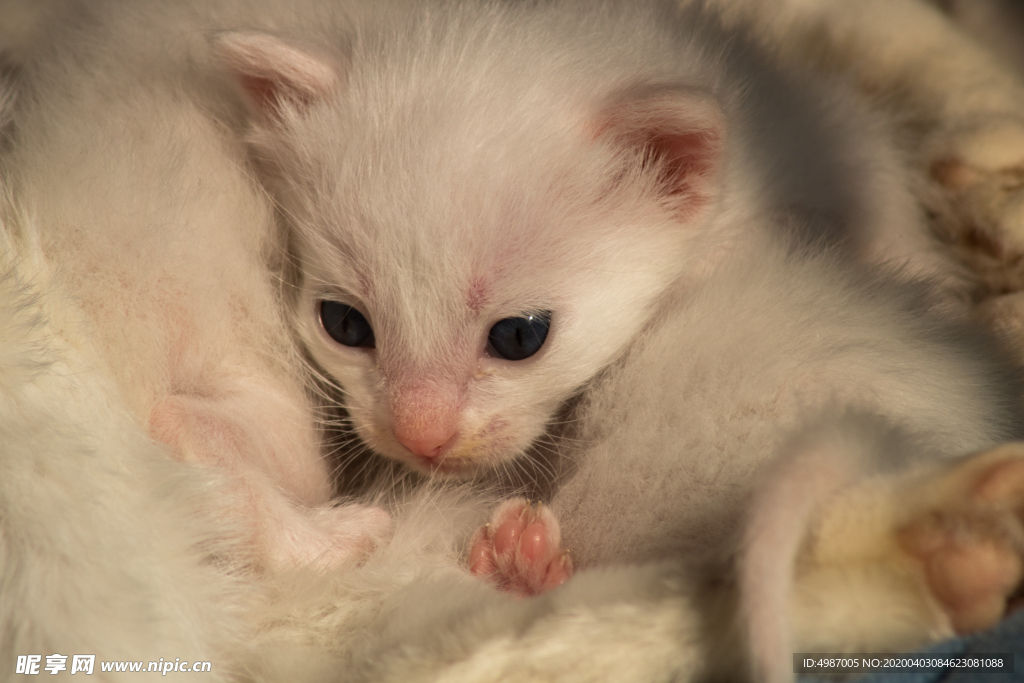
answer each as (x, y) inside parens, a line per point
(453, 180)
(462, 120)
(470, 199)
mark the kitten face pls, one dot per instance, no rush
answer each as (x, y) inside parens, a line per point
(443, 227)
(433, 389)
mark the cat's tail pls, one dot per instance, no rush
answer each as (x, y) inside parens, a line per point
(810, 470)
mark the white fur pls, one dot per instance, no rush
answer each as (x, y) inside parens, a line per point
(484, 163)
(997, 24)
(147, 208)
(719, 435)
(129, 155)
(111, 548)
(91, 506)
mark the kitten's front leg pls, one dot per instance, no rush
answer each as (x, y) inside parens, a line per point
(279, 488)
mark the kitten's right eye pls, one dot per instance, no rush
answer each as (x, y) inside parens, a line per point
(345, 324)
(519, 338)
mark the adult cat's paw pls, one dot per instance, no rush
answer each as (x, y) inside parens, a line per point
(980, 176)
(519, 550)
(970, 540)
(899, 562)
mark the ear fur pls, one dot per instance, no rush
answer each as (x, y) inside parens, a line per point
(679, 133)
(274, 74)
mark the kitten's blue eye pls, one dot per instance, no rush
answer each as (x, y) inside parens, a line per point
(345, 324)
(519, 338)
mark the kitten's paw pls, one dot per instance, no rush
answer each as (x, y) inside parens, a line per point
(970, 543)
(520, 549)
(328, 537)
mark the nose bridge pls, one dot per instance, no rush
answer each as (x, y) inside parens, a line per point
(426, 367)
(419, 403)
(427, 384)
(424, 334)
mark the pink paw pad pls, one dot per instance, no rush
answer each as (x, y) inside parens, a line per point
(973, 558)
(519, 550)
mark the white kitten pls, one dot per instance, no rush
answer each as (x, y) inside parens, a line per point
(489, 202)
(126, 152)
(493, 202)
(104, 540)
(406, 614)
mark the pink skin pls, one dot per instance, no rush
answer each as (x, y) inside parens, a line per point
(425, 419)
(971, 556)
(478, 294)
(519, 550)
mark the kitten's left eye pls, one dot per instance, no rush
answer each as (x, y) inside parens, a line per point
(345, 324)
(519, 338)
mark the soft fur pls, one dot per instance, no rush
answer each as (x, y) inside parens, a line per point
(471, 164)
(142, 295)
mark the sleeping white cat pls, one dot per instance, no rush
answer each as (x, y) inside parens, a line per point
(126, 151)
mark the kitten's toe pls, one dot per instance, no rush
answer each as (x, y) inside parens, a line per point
(520, 549)
(971, 544)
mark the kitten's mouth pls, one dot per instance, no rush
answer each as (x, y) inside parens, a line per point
(453, 467)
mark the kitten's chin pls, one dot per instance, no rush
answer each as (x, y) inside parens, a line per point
(445, 468)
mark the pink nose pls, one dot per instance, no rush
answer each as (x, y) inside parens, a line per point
(427, 444)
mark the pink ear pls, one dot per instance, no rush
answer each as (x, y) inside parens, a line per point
(679, 133)
(275, 74)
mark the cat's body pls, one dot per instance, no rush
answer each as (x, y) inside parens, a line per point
(158, 163)
(146, 207)
(409, 612)
(650, 213)
(519, 163)
(807, 341)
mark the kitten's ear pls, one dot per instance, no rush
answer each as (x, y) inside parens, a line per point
(677, 133)
(274, 74)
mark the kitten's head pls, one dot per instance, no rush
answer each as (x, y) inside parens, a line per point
(478, 235)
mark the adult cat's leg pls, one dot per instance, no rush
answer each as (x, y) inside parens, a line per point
(900, 560)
